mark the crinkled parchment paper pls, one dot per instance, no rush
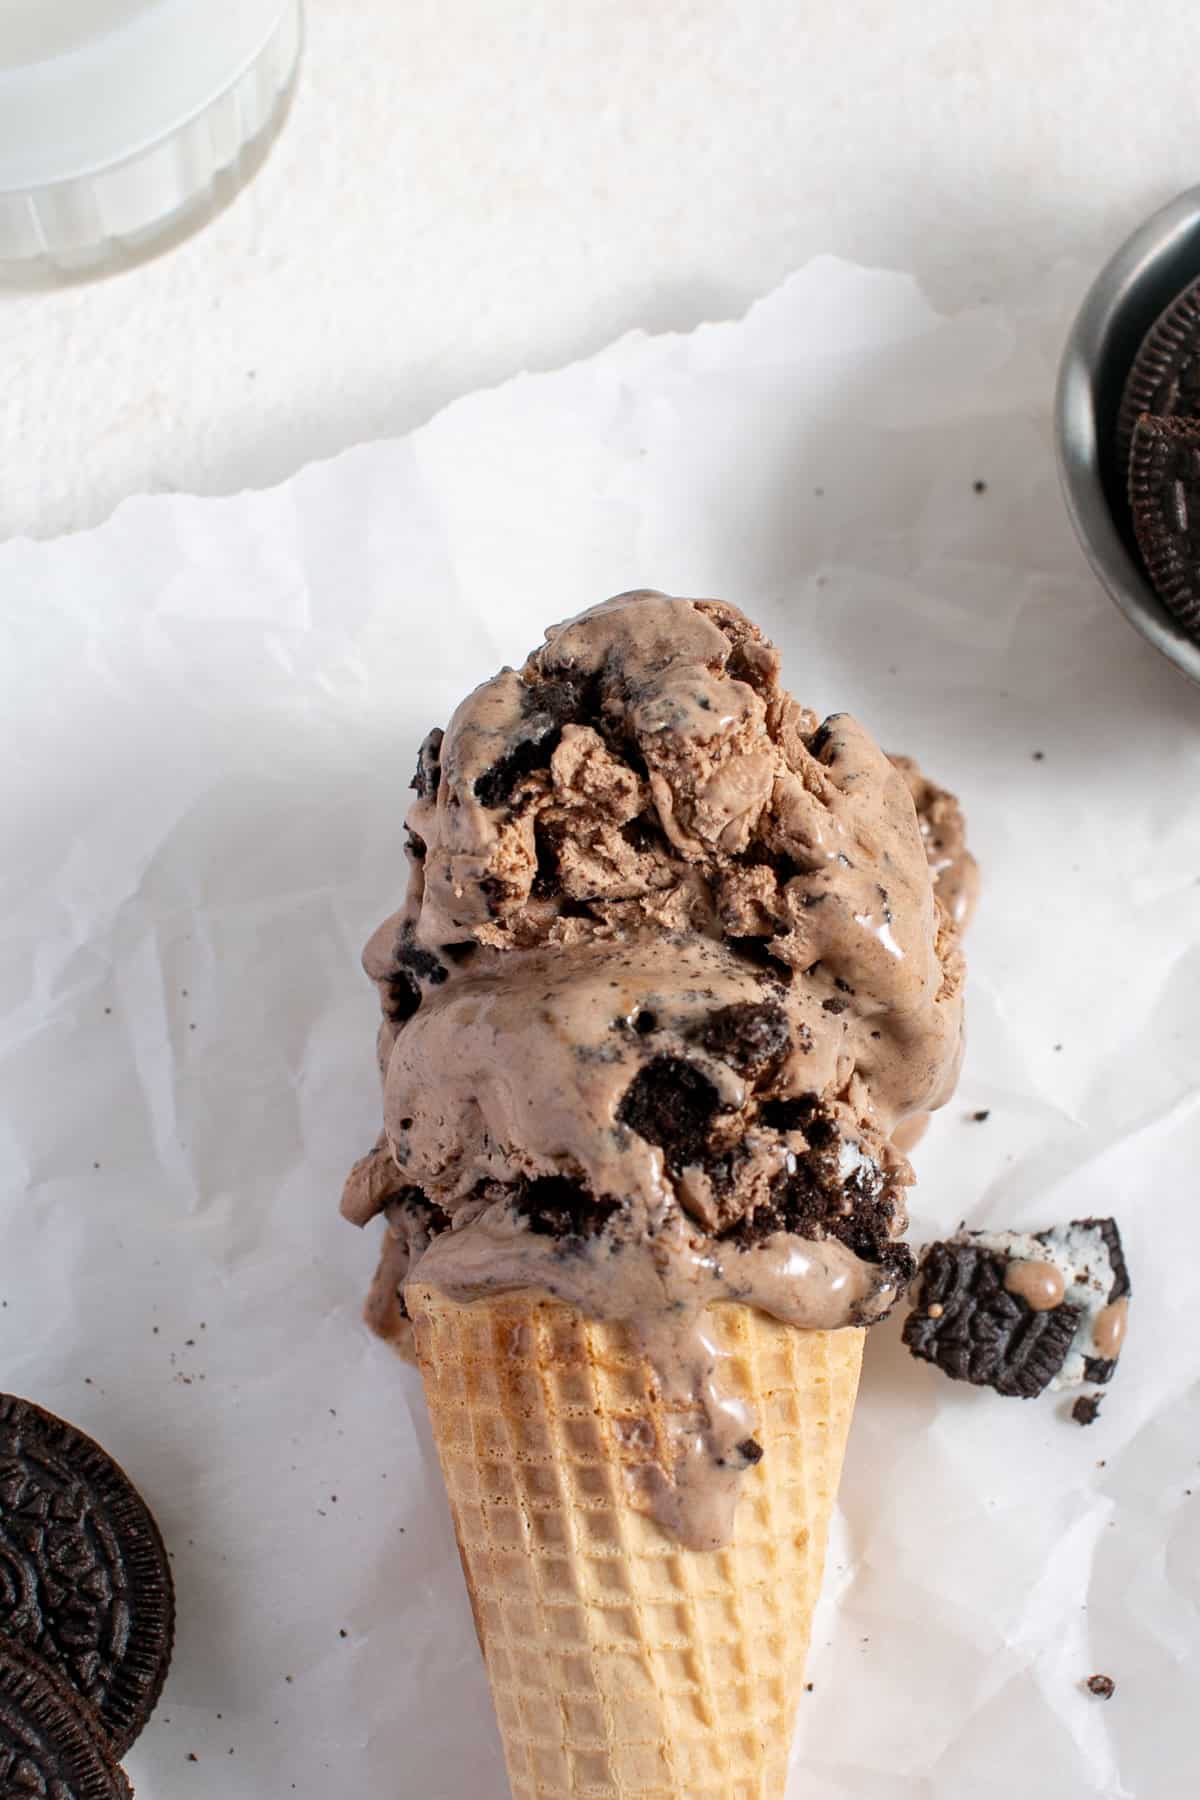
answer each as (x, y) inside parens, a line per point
(211, 709)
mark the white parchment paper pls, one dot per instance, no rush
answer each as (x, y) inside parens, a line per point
(210, 713)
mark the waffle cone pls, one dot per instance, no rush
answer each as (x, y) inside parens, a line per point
(623, 1664)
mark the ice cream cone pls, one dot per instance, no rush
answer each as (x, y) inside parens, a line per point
(622, 1663)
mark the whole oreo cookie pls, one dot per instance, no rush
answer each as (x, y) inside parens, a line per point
(49, 1744)
(84, 1577)
(1164, 498)
(1165, 378)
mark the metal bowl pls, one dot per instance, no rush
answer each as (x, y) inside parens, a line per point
(1147, 272)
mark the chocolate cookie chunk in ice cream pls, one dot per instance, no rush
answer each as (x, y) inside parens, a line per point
(670, 972)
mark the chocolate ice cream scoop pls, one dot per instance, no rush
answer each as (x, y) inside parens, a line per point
(670, 971)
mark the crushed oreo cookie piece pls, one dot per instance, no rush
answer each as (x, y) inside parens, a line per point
(1103, 1686)
(672, 1104)
(967, 1323)
(568, 697)
(1021, 1311)
(802, 1113)
(819, 741)
(831, 1189)
(428, 776)
(547, 881)
(531, 749)
(414, 1220)
(1092, 1249)
(1086, 1409)
(743, 1456)
(413, 1215)
(749, 1037)
(412, 965)
(557, 1206)
(1121, 1287)
(423, 963)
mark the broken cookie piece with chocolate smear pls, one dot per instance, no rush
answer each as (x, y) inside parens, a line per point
(1019, 1311)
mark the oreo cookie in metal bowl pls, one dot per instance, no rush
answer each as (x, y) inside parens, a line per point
(1132, 354)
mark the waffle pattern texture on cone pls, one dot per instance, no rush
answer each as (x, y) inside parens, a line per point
(623, 1665)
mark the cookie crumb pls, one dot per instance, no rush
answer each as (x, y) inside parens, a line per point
(980, 487)
(984, 1112)
(1086, 1409)
(1103, 1686)
(1039, 756)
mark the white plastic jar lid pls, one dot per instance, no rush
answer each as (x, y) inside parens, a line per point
(114, 113)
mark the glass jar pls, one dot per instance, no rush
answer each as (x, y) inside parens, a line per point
(124, 124)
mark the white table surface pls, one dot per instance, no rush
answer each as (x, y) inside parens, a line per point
(468, 188)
